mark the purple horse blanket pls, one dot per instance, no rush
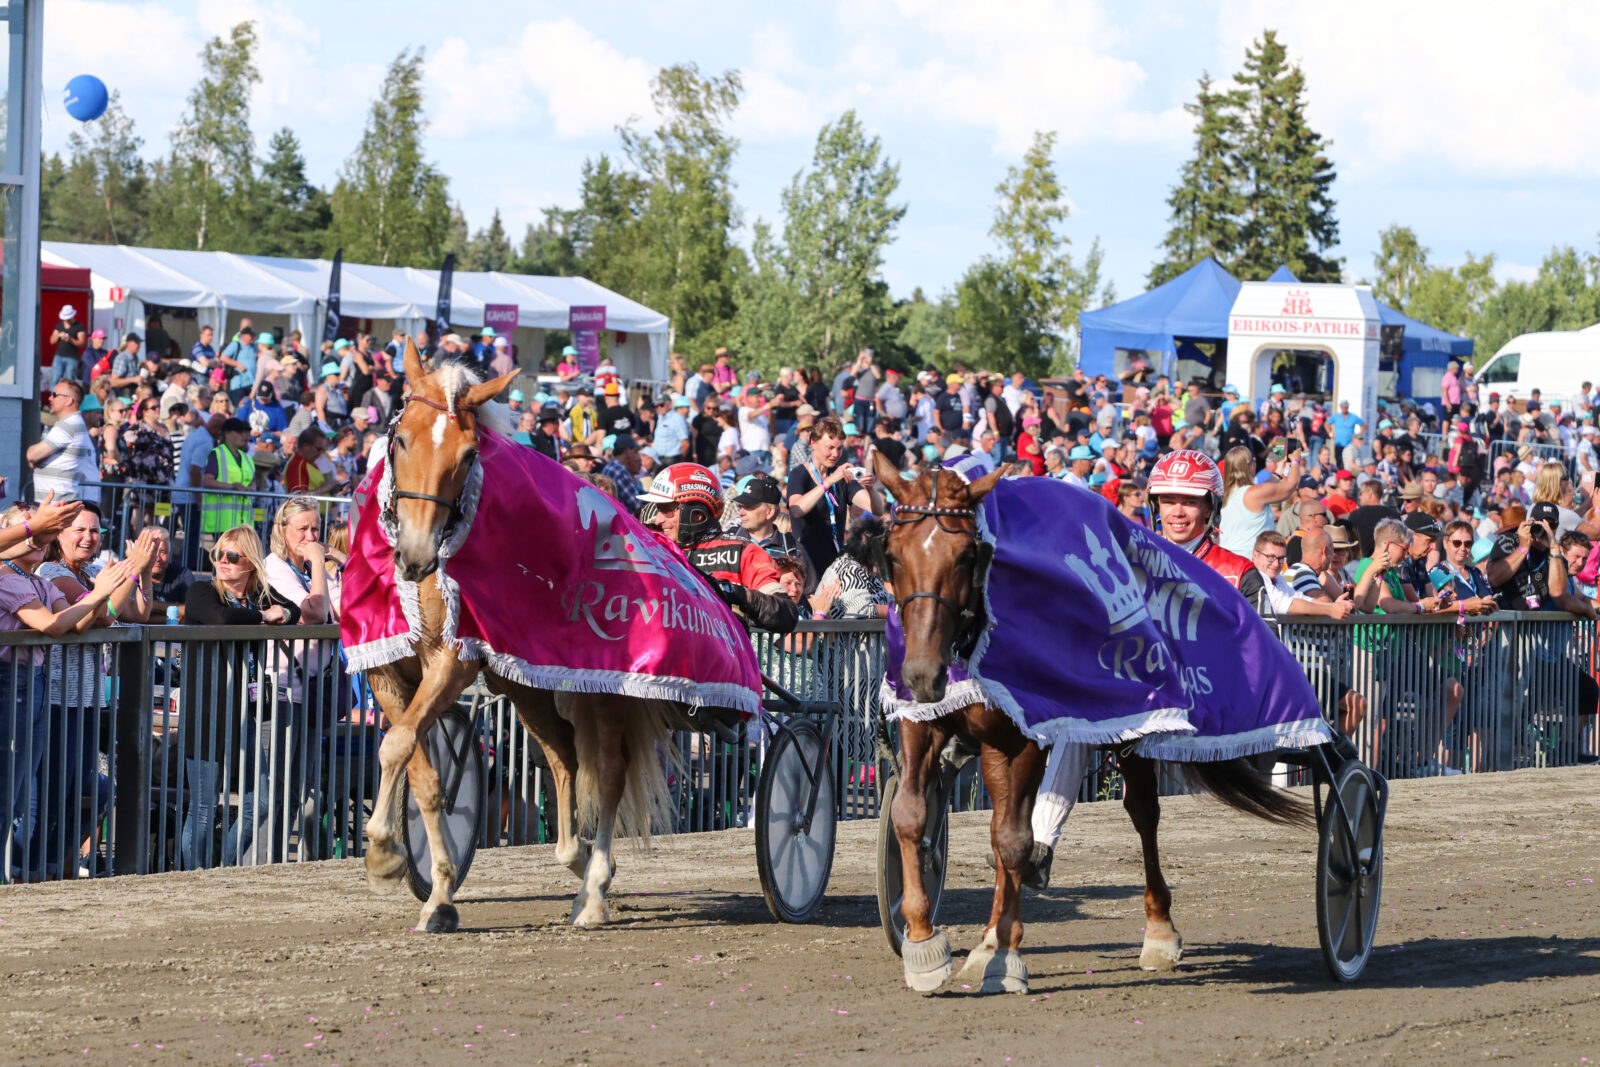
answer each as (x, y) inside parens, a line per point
(1100, 631)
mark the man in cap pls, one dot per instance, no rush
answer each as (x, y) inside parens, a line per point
(615, 418)
(239, 357)
(890, 401)
(70, 339)
(547, 438)
(673, 437)
(1342, 501)
(758, 497)
(1424, 550)
(266, 402)
(500, 360)
(1526, 572)
(623, 469)
(1080, 462)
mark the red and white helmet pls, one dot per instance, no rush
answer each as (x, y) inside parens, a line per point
(697, 492)
(1188, 473)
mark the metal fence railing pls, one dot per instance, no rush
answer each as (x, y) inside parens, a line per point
(141, 749)
(1542, 453)
(128, 507)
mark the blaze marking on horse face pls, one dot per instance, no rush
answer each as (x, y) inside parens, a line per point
(438, 431)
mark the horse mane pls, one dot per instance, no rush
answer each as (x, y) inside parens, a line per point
(454, 379)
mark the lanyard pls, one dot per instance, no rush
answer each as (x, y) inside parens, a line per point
(827, 494)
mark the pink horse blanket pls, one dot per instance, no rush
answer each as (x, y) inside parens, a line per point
(554, 585)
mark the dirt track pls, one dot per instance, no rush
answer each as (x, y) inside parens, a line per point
(1490, 949)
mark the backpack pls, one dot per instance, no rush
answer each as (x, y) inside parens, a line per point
(1467, 455)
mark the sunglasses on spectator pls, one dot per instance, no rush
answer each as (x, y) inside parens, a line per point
(230, 557)
(1459, 543)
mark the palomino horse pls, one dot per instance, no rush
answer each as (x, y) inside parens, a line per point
(589, 739)
(934, 553)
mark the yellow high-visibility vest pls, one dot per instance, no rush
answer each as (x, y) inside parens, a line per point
(219, 513)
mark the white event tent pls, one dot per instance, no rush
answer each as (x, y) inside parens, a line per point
(283, 294)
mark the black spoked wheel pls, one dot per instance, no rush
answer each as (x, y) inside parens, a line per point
(793, 859)
(1350, 870)
(457, 755)
(935, 853)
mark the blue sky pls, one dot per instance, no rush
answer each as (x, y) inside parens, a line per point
(1470, 122)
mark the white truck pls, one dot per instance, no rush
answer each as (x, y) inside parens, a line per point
(1557, 364)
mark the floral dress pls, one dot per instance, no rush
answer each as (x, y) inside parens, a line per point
(146, 460)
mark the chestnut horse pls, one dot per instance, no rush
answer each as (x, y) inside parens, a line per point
(588, 739)
(933, 553)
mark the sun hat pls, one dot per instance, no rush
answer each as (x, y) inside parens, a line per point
(98, 333)
(680, 401)
(1340, 534)
(569, 351)
(953, 379)
(612, 389)
(516, 394)
(501, 342)
(805, 411)
(1230, 390)
(1080, 452)
(341, 344)
(488, 331)
(330, 367)
(852, 430)
(264, 339)
(1278, 389)
(67, 311)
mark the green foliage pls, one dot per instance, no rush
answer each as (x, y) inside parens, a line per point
(391, 206)
(204, 200)
(490, 249)
(101, 194)
(1258, 191)
(1205, 204)
(663, 232)
(549, 247)
(1564, 296)
(1286, 174)
(929, 330)
(292, 214)
(817, 296)
(1016, 311)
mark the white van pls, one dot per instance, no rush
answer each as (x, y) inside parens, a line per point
(1557, 364)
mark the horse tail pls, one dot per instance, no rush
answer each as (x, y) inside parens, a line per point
(641, 728)
(1242, 787)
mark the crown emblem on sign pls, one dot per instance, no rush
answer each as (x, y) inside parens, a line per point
(1110, 577)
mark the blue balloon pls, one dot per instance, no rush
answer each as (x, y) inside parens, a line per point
(86, 98)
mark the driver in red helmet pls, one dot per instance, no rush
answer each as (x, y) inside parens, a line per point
(687, 500)
(1186, 491)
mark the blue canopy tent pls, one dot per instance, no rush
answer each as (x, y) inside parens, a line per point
(1192, 306)
(1425, 348)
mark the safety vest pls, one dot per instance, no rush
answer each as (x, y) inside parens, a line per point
(219, 513)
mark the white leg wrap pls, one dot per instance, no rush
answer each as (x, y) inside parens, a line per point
(1063, 774)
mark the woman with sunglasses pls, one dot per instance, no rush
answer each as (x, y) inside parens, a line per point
(146, 456)
(1457, 572)
(240, 595)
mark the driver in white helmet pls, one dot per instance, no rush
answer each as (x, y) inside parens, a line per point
(1186, 494)
(687, 502)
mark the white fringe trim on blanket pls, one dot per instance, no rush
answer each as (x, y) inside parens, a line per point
(1302, 733)
(962, 694)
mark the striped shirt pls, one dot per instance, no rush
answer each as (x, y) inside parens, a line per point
(1305, 581)
(72, 461)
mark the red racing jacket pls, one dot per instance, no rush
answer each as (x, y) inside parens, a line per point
(1240, 572)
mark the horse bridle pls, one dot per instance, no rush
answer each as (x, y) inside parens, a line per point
(969, 619)
(390, 516)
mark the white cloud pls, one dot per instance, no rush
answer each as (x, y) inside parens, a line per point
(107, 40)
(1014, 68)
(1497, 89)
(553, 68)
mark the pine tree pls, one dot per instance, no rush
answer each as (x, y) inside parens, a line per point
(458, 237)
(391, 206)
(204, 200)
(489, 249)
(819, 297)
(611, 202)
(293, 215)
(1205, 204)
(1284, 170)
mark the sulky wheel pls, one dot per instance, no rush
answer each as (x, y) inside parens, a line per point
(794, 859)
(1350, 869)
(935, 854)
(457, 755)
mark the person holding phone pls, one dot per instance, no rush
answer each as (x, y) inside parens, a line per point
(1246, 505)
(1524, 571)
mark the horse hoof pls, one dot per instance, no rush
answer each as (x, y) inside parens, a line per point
(978, 959)
(444, 920)
(592, 913)
(385, 870)
(927, 963)
(1005, 973)
(1161, 954)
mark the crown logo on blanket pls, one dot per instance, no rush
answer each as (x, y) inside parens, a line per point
(1110, 577)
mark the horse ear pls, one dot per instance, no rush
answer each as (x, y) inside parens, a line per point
(886, 472)
(480, 394)
(415, 372)
(980, 488)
